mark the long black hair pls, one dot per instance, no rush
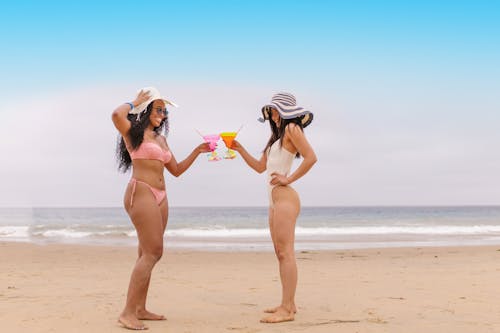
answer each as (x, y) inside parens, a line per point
(136, 135)
(278, 133)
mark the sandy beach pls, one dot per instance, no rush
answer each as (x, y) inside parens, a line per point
(75, 288)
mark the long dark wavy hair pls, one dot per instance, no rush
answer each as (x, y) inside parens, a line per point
(278, 133)
(136, 136)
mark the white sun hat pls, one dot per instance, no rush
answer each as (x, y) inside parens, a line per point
(154, 94)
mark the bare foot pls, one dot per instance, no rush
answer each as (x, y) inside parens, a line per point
(131, 322)
(280, 315)
(146, 315)
(273, 310)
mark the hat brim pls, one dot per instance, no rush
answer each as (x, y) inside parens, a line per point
(141, 107)
(288, 113)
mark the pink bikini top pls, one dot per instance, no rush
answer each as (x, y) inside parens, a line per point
(150, 151)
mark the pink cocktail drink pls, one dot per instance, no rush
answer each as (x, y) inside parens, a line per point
(211, 139)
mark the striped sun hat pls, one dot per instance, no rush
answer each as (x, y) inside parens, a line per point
(286, 105)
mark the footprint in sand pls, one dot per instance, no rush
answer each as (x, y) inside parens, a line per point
(321, 322)
(246, 329)
(248, 304)
(375, 318)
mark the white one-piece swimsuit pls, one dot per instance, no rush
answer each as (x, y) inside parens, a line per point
(278, 160)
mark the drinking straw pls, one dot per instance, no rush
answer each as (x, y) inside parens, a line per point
(239, 129)
(199, 132)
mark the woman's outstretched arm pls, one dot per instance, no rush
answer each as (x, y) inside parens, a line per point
(178, 168)
(258, 165)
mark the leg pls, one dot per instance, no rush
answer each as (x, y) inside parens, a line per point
(146, 217)
(141, 312)
(286, 210)
(271, 229)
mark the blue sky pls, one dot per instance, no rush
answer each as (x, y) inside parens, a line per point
(325, 40)
(413, 83)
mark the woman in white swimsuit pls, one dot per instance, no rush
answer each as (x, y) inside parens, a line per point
(287, 141)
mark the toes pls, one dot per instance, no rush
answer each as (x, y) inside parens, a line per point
(276, 319)
(129, 326)
(150, 316)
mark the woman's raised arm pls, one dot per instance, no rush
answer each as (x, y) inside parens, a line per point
(119, 115)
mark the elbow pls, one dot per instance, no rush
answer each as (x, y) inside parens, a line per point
(260, 168)
(178, 173)
(174, 172)
(313, 159)
(115, 116)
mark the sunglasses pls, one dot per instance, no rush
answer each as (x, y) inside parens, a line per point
(162, 112)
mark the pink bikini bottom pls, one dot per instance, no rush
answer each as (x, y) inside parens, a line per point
(158, 194)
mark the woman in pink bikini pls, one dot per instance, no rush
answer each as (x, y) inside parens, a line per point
(287, 141)
(143, 147)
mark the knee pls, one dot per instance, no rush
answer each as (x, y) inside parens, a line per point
(157, 252)
(284, 253)
(154, 254)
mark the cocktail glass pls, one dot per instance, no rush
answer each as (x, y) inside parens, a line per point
(212, 139)
(228, 138)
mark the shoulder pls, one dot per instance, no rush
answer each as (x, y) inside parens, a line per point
(162, 140)
(292, 127)
(293, 130)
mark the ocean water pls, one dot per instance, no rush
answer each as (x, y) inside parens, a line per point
(246, 228)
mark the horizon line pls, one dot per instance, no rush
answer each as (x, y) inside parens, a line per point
(305, 206)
